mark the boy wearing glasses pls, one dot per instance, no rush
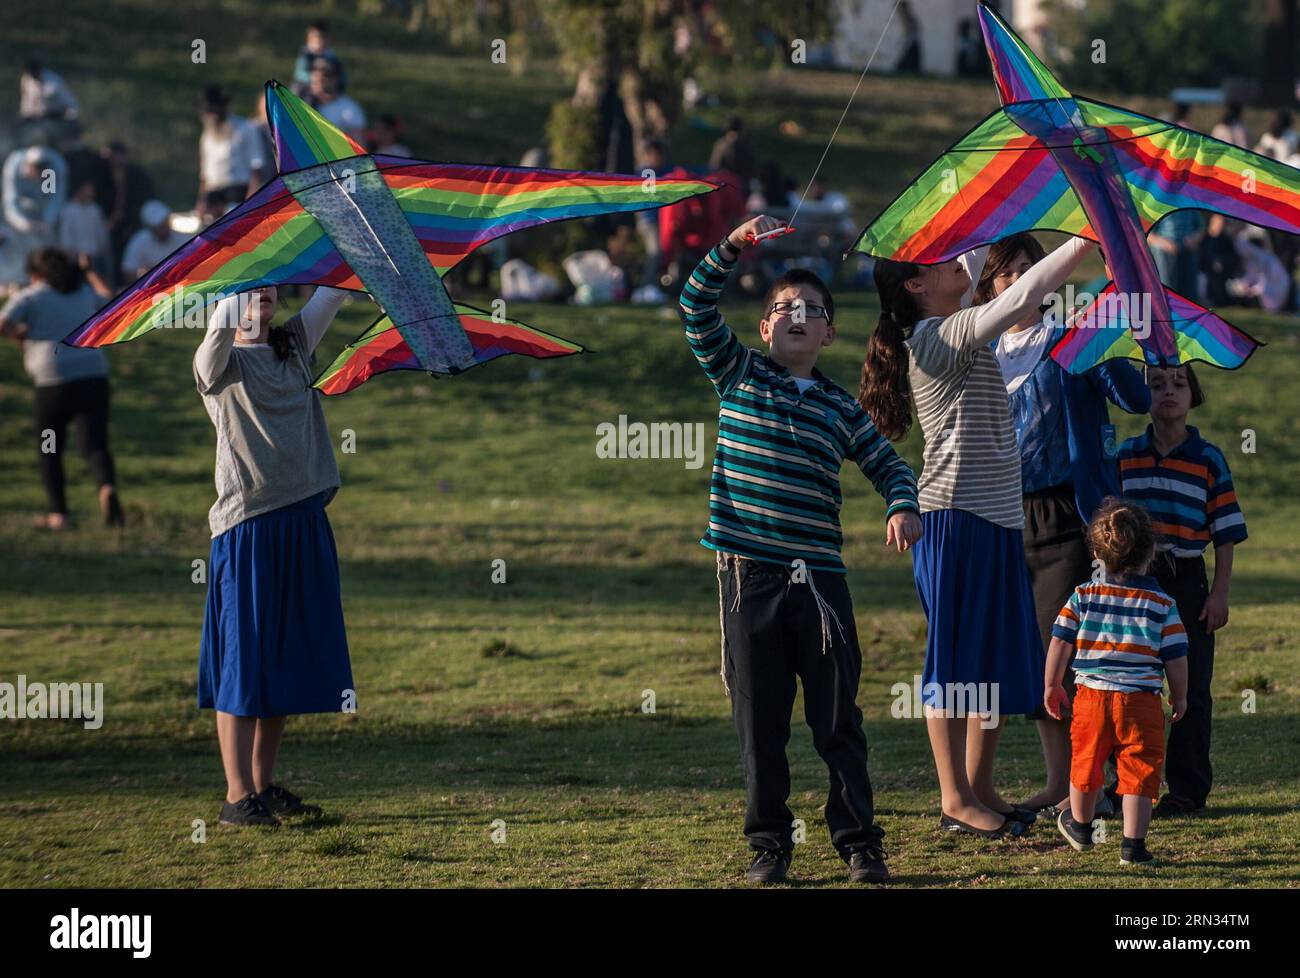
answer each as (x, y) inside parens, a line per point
(784, 431)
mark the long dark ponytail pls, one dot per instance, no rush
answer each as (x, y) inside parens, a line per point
(886, 392)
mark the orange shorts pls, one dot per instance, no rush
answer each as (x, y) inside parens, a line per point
(1132, 725)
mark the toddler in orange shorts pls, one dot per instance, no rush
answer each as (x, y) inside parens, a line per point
(1125, 636)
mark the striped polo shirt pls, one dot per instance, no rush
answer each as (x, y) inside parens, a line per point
(775, 490)
(1123, 633)
(1188, 492)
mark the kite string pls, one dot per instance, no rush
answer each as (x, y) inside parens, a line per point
(889, 20)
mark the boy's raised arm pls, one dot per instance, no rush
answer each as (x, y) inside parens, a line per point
(724, 358)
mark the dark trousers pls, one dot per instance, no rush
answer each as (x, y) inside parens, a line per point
(1187, 753)
(85, 404)
(773, 636)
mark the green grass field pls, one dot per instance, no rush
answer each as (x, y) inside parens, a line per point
(522, 701)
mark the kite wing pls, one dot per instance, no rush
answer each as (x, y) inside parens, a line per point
(1168, 168)
(454, 208)
(994, 182)
(1108, 327)
(383, 347)
(270, 239)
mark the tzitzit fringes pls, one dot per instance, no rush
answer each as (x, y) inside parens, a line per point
(722, 623)
(826, 613)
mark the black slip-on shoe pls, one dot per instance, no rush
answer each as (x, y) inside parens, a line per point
(769, 866)
(281, 801)
(1079, 836)
(249, 810)
(868, 866)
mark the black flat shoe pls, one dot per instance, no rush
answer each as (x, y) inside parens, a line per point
(950, 824)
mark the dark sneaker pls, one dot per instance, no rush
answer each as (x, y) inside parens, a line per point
(1171, 806)
(249, 810)
(868, 866)
(1135, 853)
(769, 866)
(1079, 836)
(280, 801)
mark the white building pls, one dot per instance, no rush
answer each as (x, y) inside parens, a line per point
(939, 22)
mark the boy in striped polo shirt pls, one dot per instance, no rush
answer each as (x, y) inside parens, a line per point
(1125, 635)
(784, 431)
(1184, 483)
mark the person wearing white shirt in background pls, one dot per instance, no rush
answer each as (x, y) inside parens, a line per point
(328, 99)
(1230, 128)
(1263, 277)
(230, 156)
(82, 229)
(44, 95)
(1280, 140)
(152, 243)
(32, 191)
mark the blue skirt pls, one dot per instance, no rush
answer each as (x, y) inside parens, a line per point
(273, 637)
(979, 610)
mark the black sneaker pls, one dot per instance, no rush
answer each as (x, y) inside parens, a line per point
(281, 801)
(868, 866)
(1079, 836)
(1134, 852)
(769, 866)
(249, 810)
(1171, 806)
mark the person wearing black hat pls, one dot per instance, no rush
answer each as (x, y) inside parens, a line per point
(230, 156)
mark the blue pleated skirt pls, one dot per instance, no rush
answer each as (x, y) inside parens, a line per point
(273, 638)
(979, 609)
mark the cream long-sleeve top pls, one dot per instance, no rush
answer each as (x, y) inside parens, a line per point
(273, 446)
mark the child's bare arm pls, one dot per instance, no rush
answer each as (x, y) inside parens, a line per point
(1176, 670)
(1059, 654)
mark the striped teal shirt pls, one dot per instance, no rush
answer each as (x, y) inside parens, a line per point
(775, 493)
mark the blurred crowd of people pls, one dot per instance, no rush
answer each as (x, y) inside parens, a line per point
(80, 223)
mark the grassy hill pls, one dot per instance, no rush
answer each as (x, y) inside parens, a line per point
(523, 701)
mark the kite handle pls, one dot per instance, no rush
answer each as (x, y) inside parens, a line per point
(753, 238)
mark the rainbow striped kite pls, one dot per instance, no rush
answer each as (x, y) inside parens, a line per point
(1047, 160)
(385, 225)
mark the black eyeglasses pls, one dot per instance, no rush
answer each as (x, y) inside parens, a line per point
(810, 309)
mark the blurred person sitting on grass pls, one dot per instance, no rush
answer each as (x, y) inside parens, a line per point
(316, 44)
(327, 98)
(152, 243)
(71, 383)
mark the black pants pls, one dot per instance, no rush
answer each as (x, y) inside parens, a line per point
(773, 635)
(1187, 754)
(85, 404)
